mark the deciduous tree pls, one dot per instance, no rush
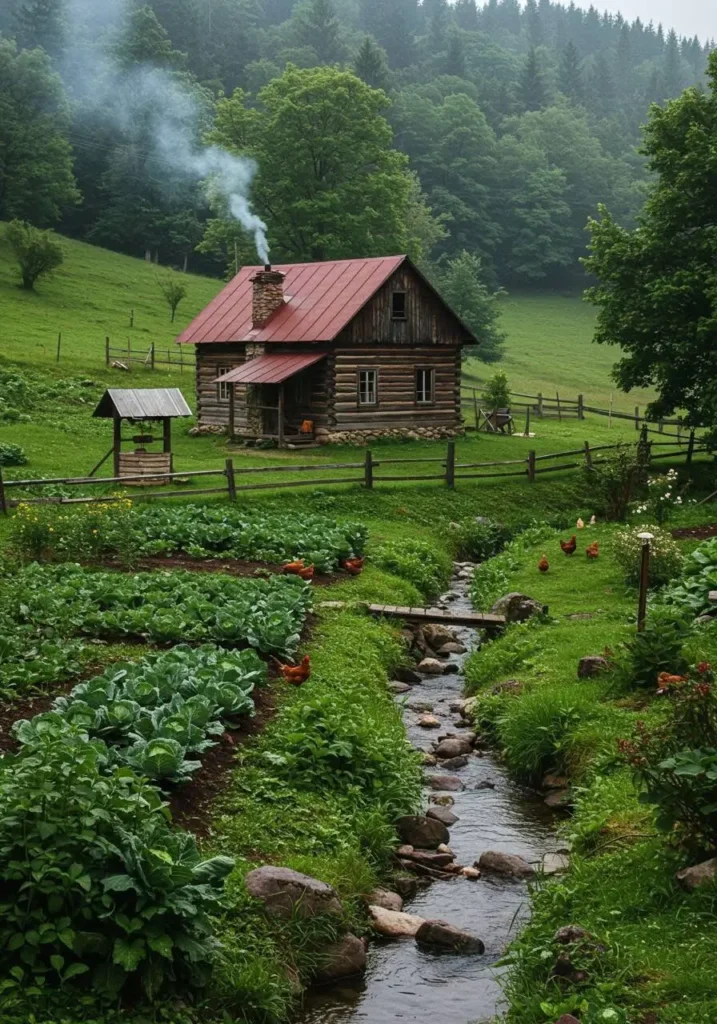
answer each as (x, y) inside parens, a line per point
(37, 252)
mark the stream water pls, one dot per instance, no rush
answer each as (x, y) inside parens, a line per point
(407, 983)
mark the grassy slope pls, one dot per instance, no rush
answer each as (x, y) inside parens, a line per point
(621, 887)
(550, 348)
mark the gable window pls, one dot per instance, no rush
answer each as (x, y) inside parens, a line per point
(398, 306)
(424, 386)
(223, 389)
(368, 387)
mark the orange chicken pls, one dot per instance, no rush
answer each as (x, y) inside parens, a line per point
(296, 674)
(544, 564)
(593, 550)
(353, 566)
(569, 546)
(299, 568)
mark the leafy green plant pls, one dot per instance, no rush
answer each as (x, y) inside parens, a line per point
(96, 886)
(419, 563)
(478, 539)
(658, 648)
(699, 576)
(612, 482)
(496, 393)
(12, 454)
(665, 554)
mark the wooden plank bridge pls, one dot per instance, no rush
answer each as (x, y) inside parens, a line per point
(471, 620)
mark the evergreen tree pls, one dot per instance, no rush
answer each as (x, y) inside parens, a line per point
(534, 24)
(462, 284)
(318, 27)
(672, 80)
(41, 23)
(466, 15)
(394, 26)
(456, 55)
(143, 41)
(371, 65)
(532, 92)
(602, 88)
(570, 77)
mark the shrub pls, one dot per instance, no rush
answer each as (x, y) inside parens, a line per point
(12, 454)
(96, 885)
(37, 252)
(417, 562)
(612, 482)
(657, 649)
(478, 539)
(662, 497)
(665, 555)
(677, 761)
(699, 577)
(497, 392)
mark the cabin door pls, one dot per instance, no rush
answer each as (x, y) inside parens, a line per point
(270, 410)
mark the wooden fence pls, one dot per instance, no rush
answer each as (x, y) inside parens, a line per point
(451, 473)
(125, 357)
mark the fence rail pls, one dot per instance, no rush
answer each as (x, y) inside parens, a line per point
(127, 356)
(452, 473)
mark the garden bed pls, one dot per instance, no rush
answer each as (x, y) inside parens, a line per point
(226, 566)
(695, 532)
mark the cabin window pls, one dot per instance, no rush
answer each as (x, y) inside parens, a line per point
(424, 386)
(368, 387)
(398, 306)
(223, 389)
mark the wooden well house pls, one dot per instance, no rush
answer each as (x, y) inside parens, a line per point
(336, 351)
(147, 414)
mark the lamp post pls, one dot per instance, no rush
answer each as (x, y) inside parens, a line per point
(644, 579)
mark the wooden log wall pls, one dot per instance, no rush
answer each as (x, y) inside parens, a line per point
(211, 360)
(397, 406)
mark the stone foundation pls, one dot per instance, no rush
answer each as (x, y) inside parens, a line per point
(324, 435)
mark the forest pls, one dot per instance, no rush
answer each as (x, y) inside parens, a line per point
(479, 138)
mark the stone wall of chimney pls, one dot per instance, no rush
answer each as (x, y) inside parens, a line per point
(267, 296)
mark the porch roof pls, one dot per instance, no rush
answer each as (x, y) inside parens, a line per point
(269, 369)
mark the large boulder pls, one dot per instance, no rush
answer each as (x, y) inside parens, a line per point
(454, 746)
(393, 923)
(431, 667)
(450, 783)
(444, 814)
(507, 864)
(436, 635)
(447, 936)
(592, 665)
(422, 832)
(699, 875)
(386, 899)
(452, 647)
(286, 893)
(343, 959)
(518, 607)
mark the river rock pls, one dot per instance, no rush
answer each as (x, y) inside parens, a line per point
(485, 784)
(431, 667)
(285, 892)
(454, 746)
(393, 923)
(698, 875)
(428, 859)
(559, 798)
(518, 607)
(442, 800)
(507, 864)
(452, 647)
(457, 706)
(407, 675)
(430, 760)
(555, 782)
(451, 783)
(386, 899)
(419, 705)
(443, 814)
(472, 873)
(447, 936)
(343, 959)
(396, 687)
(422, 832)
(406, 885)
(427, 721)
(436, 635)
(453, 764)
(592, 665)
(555, 864)
(570, 933)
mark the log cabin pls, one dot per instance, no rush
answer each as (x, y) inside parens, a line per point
(338, 351)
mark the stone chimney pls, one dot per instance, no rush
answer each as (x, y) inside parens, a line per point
(268, 294)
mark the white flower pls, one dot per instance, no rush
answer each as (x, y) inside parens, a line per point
(668, 495)
(678, 501)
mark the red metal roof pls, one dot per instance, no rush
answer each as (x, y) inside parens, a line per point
(268, 369)
(320, 300)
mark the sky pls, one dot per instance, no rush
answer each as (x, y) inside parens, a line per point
(687, 17)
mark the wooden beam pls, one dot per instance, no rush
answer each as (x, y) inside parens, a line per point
(117, 443)
(281, 415)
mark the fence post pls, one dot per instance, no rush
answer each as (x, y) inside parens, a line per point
(531, 466)
(451, 464)
(129, 354)
(151, 357)
(581, 410)
(107, 350)
(231, 482)
(691, 446)
(368, 471)
(475, 409)
(3, 502)
(540, 404)
(661, 426)
(560, 415)
(637, 417)
(59, 346)
(588, 456)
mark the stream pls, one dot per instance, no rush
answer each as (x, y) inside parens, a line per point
(407, 983)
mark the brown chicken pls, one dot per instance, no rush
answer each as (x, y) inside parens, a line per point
(569, 547)
(593, 550)
(353, 566)
(299, 568)
(296, 674)
(544, 564)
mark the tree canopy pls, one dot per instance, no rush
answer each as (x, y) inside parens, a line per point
(657, 284)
